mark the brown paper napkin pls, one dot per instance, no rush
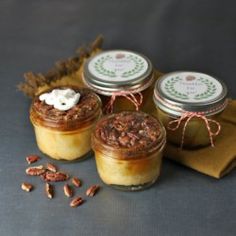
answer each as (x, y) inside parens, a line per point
(217, 161)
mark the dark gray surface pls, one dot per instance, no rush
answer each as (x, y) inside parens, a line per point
(176, 35)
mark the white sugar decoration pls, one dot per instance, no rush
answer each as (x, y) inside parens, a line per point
(61, 99)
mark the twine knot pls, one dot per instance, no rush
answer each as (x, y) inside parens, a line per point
(136, 100)
(175, 124)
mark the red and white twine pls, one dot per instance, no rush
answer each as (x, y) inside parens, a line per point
(190, 115)
(187, 116)
(136, 99)
(133, 95)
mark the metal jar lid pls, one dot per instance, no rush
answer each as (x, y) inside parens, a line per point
(118, 70)
(187, 91)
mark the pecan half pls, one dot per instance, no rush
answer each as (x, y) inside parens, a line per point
(32, 158)
(76, 202)
(26, 187)
(49, 190)
(91, 191)
(76, 182)
(35, 170)
(51, 167)
(50, 176)
(68, 190)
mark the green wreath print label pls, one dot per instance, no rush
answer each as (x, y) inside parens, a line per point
(118, 66)
(191, 87)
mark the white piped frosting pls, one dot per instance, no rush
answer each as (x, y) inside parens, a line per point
(61, 99)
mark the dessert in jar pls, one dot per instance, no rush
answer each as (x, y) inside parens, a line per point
(63, 119)
(123, 79)
(128, 149)
(188, 104)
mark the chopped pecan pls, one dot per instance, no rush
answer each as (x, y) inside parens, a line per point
(50, 176)
(118, 126)
(26, 187)
(51, 167)
(76, 202)
(68, 190)
(91, 191)
(133, 135)
(49, 190)
(32, 158)
(76, 182)
(124, 140)
(35, 170)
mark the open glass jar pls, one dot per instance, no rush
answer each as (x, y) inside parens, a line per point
(188, 104)
(128, 149)
(125, 76)
(65, 134)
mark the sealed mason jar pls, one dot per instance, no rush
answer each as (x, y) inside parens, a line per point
(188, 104)
(128, 149)
(123, 79)
(63, 119)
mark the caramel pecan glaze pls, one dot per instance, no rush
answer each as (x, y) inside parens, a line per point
(83, 113)
(132, 132)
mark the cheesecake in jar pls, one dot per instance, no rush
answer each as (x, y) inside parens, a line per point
(63, 119)
(123, 79)
(188, 104)
(128, 149)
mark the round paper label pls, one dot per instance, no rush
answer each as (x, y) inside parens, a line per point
(191, 87)
(118, 65)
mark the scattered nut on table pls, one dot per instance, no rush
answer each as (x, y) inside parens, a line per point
(32, 158)
(91, 191)
(26, 187)
(76, 182)
(49, 190)
(68, 190)
(76, 202)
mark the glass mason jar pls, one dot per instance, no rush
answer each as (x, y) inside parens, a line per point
(66, 135)
(128, 149)
(188, 104)
(123, 79)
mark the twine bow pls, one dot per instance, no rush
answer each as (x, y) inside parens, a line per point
(189, 116)
(136, 100)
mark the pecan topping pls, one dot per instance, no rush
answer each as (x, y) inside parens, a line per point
(86, 106)
(76, 202)
(91, 191)
(51, 167)
(49, 190)
(68, 190)
(32, 158)
(35, 170)
(76, 182)
(128, 130)
(26, 187)
(49, 176)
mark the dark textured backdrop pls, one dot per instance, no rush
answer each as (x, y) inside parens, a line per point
(175, 35)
